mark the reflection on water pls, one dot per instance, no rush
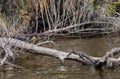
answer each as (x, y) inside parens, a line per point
(43, 67)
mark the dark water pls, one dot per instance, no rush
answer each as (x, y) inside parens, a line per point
(43, 67)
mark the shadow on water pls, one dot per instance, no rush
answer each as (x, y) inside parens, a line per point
(44, 67)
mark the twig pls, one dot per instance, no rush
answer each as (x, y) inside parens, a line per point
(9, 63)
(38, 44)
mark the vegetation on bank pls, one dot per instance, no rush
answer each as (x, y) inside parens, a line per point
(27, 18)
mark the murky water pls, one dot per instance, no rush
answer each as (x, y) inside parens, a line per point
(44, 67)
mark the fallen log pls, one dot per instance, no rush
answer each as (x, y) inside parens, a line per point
(108, 60)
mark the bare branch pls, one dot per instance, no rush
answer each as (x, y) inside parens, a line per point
(38, 44)
(76, 25)
(4, 59)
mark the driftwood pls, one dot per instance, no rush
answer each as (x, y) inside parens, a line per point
(108, 60)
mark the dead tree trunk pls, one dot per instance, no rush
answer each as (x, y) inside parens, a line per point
(7, 43)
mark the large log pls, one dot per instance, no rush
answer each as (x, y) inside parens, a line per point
(80, 57)
(38, 49)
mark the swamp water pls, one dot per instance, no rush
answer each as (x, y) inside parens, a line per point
(44, 67)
